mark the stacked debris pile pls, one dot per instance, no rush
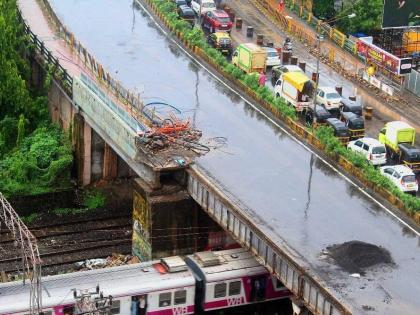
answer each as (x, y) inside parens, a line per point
(110, 261)
(171, 133)
(356, 256)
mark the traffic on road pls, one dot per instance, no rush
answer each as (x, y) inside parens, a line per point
(293, 193)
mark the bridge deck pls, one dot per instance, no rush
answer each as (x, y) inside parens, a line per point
(291, 195)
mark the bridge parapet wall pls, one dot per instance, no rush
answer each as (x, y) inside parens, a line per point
(237, 220)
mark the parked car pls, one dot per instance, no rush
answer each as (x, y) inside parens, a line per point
(217, 20)
(355, 123)
(221, 41)
(351, 106)
(370, 148)
(410, 156)
(402, 176)
(341, 132)
(273, 57)
(202, 6)
(180, 2)
(277, 71)
(328, 97)
(187, 14)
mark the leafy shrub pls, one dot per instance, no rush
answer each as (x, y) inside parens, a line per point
(94, 199)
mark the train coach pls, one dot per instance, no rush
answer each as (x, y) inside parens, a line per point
(201, 282)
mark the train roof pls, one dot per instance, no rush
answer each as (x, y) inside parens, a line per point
(118, 281)
(226, 264)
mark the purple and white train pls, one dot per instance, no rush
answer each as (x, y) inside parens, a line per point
(204, 281)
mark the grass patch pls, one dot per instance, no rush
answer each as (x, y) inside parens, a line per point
(30, 218)
(94, 199)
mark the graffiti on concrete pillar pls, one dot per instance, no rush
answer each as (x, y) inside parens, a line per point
(141, 228)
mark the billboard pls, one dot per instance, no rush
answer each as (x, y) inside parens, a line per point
(401, 13)
(373, 54)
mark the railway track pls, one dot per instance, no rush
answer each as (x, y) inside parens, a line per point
(70, 228)
(68, 256)
(62, 244)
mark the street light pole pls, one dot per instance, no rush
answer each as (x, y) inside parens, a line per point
(318, 41)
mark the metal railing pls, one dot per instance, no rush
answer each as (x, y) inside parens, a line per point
(58, 71)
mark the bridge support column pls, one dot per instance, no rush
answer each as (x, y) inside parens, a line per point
(167, 221)
(110, 170)
(87, 154)
(83, 140)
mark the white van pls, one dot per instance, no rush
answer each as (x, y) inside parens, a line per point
(202, 6)
(370, 148)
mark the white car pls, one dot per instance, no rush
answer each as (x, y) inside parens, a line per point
(273, 58)
(202, 6)
(402, 176)
(328, 98)
(370, 148)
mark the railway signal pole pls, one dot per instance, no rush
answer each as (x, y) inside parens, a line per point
(92, 302)
(31, 262)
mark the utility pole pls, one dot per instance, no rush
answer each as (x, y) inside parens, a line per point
(319, 38)
(91, 302)
(31, 262)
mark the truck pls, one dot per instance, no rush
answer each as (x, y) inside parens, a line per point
(250, 58)
(395, 133)
(296, 89)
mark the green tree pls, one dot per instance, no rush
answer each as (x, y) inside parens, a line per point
(323, 9)
(35, 155)
(368, 17)
(21, 130)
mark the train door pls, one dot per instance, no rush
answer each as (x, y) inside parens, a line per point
(139, 305)
(199, 295)
(258, 287)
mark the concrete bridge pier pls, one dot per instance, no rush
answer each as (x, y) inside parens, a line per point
(167, 221)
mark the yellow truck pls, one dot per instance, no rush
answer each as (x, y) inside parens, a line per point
(250, 58)
(396, 133)
(296, 89)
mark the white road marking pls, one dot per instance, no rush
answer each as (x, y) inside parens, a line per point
(361, 189)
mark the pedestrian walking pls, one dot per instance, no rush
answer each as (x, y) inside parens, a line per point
(261, 79)
(280, 6)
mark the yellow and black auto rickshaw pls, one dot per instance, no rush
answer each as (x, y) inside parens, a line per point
(409, 155)
(221, 41)
(355, 123)
(341, 132)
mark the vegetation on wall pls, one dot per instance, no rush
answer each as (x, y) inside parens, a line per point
(35, 156)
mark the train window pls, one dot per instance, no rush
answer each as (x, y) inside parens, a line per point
(235, 288)
(47, 313)
(220, 290)
(279, 284)
(115, 307)
(165, 299)
(180, 297)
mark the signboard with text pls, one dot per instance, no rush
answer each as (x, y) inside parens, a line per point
(373, 54)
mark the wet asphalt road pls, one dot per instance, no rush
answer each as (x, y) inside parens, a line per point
(296, 197)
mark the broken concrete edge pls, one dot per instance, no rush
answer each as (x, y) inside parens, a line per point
(379, 106)
(293, 257)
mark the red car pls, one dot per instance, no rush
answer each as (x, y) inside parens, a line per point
(217, 20)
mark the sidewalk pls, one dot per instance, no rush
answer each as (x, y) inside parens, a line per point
(405, 107)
